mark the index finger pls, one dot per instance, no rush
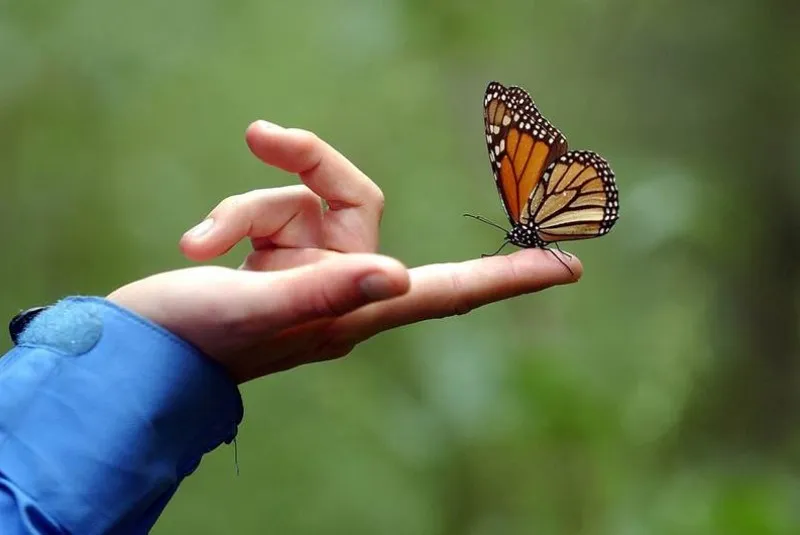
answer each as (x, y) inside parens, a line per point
(355, 202)
(442, 290)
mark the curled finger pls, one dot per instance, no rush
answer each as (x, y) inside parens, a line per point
(355, 202)
(284, 217)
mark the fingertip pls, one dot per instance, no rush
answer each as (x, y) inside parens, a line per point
(386, 262)
(201, 229)
(374, 277)
(379, 285)
(260, 125)
(257, 129)
(551, 267)
(575, 266)
(191, 249)
(197, 232)
(199, 243)
(388, 278)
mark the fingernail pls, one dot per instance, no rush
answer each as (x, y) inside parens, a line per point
(377, 286)
(200, 229)
(267, 124)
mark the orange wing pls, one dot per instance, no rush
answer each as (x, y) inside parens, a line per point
(521, 143)
(576, 199)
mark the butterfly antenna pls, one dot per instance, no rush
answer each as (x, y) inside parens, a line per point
(560, 260)
(484, 255)
(484, 220)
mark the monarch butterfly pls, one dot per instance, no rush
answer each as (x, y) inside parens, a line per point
(549, 193)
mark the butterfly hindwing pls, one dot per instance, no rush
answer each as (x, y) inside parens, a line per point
(576, 199)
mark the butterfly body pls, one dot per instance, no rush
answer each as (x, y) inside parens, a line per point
(524, 236)
(549, 193)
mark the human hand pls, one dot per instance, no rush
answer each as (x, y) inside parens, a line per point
(313, 286)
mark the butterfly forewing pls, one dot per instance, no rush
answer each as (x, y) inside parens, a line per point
(521, 144)
(525, 103)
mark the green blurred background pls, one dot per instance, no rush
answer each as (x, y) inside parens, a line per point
(657, 396)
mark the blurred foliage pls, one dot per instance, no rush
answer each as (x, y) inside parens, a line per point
(659, 395)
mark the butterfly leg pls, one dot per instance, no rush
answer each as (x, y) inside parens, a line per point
(562, 252)
(560, 260)
(484, 255)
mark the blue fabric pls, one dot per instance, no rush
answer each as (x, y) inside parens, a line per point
(73, 328)
(102, 415)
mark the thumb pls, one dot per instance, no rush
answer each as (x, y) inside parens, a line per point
(325, 289)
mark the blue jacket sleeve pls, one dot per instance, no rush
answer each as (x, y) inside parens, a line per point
(102, 415)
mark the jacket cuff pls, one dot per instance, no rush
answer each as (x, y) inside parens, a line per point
(103, 413)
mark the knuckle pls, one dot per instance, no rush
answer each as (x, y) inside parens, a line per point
(460, 301)
(307, 200)
(229, 204)
(510, 268)
(307, 144)
(378, 198)
(334, 343)
(323, 305)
